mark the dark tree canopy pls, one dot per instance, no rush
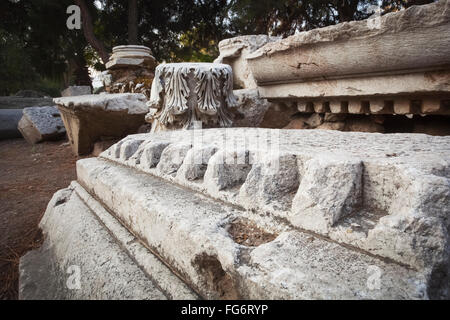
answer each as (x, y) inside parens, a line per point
(37, 49)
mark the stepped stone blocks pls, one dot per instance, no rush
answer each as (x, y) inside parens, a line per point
(282, 214)
(396, 66)
(186, 94)
(91, 118)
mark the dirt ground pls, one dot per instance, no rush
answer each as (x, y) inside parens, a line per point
(29, 175)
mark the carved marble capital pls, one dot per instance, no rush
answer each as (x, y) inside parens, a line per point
(183, 93)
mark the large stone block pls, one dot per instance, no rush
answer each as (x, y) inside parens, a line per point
(284, 214)
(80, 259)
(234, 51)
(389, 64)
(396, 44)
(89, 118)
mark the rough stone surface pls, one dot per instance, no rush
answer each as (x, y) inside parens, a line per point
(91, 118)
(234, 51)
(19, 102)
(376, 66)
(79, 241)
(345, 215)
(41, 123)
(127, 102)
(374, 209)
(130, 69)
(186, 94)
(9, 119)
(189, 232)
(76, 91)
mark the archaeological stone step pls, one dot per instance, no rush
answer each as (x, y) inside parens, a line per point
(41, 123)
(279, 214)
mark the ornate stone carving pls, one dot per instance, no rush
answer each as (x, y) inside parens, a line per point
(183, 93)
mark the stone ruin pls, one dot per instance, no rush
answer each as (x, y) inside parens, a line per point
(103, 118)
(130, 69)
(385, 74)
(252, 213)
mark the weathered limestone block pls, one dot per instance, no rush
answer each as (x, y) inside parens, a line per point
(186, 93)
(76, 91)
(129, 69)
(305, 107)
(89, 118)
(41, 123)
(234, 51)
(281, 214)
(397, 44)
(315, 120)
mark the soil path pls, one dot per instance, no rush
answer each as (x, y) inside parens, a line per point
(29, 176)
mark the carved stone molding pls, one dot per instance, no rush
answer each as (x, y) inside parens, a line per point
(130, 70)
(183, 93)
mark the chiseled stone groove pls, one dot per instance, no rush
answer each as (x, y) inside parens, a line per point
(374, 200)
(378, 105)
(189, 231)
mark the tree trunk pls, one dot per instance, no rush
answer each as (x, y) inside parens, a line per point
(132, 22)
(88, 31)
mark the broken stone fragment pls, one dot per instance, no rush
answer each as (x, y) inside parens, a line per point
(90, 117)
(189, 95)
